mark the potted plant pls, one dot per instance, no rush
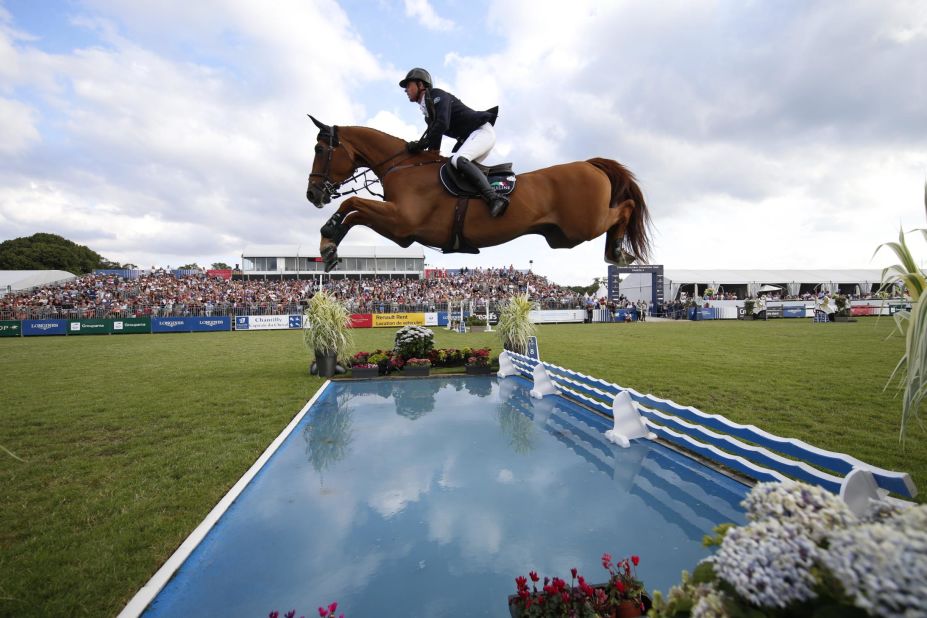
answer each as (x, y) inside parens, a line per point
(413, 341)
(381, 360)
(625, 592)
(515, 325)
(327, 332)
(417, 367)
(476, 323)
(748, 308)
(478, 362)
(843, 309)
(365, 370)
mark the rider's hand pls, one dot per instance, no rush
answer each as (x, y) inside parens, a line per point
(415, 146)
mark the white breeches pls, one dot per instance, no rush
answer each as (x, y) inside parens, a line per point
(477, 146)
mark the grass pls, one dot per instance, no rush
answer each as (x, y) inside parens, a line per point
(128, 441)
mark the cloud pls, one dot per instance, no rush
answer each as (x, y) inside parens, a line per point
(426, 15)
(17, 127)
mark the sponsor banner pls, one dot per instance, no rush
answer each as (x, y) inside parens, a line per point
(549, 316)
(224, 273)
(32, 328)
(864, 310)
(90, 326)
(131, 326)
(793, 312)
(10, 328)
(191, 324)
(268, 322)
(398, 319)
(361, 320)
(431, 319)
(533, 348)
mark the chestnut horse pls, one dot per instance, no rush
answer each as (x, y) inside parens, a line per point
(566, 204)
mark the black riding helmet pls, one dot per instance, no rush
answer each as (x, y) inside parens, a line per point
(417, 74)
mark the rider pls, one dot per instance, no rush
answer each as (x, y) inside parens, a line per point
(447, 115)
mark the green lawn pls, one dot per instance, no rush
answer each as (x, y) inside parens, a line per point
(128, 441)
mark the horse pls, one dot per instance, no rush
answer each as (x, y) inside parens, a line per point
(567, 204)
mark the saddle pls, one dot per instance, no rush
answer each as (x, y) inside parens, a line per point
(501, 179)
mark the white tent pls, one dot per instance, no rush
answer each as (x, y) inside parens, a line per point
(16, 280)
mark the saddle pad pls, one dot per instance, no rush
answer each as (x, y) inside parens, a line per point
(502, 182)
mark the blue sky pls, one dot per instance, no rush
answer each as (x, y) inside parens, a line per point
(764, 135)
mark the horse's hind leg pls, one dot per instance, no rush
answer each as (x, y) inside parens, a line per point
(614, 238)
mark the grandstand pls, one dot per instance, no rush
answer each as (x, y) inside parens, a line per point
(304, 262)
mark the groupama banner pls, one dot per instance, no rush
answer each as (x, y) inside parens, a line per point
(191, 324)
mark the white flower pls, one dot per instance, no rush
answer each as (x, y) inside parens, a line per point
(883, 566)
(814, 510)
(768, 562)
(710, 603)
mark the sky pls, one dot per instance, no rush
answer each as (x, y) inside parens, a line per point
(788, 134)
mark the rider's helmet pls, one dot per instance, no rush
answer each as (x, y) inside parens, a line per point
(417, 74)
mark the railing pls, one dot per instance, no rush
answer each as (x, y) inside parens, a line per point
(127, 310)
(744, 448)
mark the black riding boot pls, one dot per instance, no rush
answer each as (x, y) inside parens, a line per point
(497, 203)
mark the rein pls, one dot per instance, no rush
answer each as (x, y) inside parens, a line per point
(332, 189)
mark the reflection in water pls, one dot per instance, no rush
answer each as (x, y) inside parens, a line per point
(517, 427)
(672, 485)
(414, 403)
(478, 386)
(328, 434)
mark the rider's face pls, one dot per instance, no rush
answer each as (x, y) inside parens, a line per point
(413, 91)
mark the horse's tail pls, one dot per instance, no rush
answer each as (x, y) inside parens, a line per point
(624, 187)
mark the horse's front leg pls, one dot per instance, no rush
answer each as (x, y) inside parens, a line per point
(377, 215)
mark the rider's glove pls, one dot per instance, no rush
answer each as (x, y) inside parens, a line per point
(415, 146)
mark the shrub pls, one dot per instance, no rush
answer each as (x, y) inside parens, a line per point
(413, 341)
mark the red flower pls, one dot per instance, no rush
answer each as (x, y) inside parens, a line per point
(522, 582)
(323, 612)
(619, 586)
(606, 560)
(534, 576)
(636, 560)
(573, 572)
(333, 607)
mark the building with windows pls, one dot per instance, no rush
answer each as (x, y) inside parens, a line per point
(305, 262)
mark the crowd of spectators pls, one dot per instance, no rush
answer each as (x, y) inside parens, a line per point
(161, 293)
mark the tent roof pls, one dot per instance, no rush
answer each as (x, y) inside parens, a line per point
(15, 280)
(722, 277)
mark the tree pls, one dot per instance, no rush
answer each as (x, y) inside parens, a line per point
(48, 252)
(221, 266)
(193, 266)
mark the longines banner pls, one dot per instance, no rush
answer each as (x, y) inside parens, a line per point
(398, 319)
(268, 322)
(10, 328)
(191, 324)
(33, 328)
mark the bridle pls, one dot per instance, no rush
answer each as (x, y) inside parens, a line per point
(331, 189)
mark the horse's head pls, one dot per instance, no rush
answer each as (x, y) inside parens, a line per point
(333, 163)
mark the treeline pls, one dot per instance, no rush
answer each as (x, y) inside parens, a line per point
(50, 252)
